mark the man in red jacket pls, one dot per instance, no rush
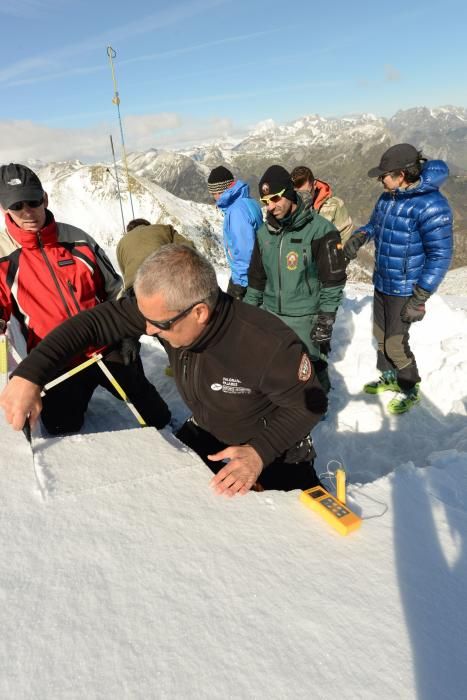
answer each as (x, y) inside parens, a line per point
(49, 272)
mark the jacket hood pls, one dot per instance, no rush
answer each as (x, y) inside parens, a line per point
(433, 175)
(322, 192)
(238, 190)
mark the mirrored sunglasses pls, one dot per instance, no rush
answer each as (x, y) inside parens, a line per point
(31, 203)
(274, 198)
(167, 325)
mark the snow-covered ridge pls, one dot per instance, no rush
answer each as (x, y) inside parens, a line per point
(87, 196)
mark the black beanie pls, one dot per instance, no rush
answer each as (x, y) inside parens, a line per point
(220, 179)
(275, 179)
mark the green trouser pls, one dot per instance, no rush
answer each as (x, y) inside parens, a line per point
(302, 326)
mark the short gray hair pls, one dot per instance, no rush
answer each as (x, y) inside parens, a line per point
(181, 274)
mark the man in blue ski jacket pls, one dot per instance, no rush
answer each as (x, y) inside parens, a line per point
(242, 218)
(411, 225)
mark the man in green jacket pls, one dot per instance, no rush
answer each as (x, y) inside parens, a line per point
(297, 270)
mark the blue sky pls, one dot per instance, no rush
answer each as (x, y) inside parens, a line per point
(199, 68)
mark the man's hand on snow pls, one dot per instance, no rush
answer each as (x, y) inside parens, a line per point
(240, 473)
(20, 399)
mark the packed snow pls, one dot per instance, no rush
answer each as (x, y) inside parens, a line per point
(125, 576)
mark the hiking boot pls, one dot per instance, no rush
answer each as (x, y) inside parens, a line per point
(387, 382)
(403, 401)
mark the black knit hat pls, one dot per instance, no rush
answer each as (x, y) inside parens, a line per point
(398, 157)
(18, 184)
(220, 179)
(277, 179)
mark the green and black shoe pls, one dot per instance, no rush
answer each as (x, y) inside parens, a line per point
(387, 382)
(403, 401)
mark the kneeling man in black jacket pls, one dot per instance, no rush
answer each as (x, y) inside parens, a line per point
(244, 374)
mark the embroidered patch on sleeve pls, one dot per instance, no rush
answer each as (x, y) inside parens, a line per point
(305, 368)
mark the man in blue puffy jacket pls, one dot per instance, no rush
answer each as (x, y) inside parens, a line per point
(411, 225)
(242, 218)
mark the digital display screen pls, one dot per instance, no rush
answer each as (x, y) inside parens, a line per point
(317, 494)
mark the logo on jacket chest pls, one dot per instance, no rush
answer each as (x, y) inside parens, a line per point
(292, 260)
(230, 385)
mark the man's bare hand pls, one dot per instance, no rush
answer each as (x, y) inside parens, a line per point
(20, 399)
(240, 473)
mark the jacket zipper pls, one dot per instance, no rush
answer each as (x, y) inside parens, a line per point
(193, 379)
(305, 260)
(393, 195)
(54, 277)
(184, 366)
(72, 290)
(279, 271)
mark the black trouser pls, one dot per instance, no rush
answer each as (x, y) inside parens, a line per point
(392, 336)
(280, 475)
(64, 405)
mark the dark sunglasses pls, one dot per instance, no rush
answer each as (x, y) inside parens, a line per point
(274, 198)
(167, 325)
(31, 203)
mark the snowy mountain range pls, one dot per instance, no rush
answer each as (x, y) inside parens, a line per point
(171, 187)
(338, 150)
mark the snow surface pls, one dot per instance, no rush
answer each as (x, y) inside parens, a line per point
(123, 575)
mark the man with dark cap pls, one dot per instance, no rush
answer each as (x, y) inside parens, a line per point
(411, 225)
(297, 269)
(49, 272)
(242, 218)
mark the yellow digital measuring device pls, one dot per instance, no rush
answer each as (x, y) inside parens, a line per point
(331, 509)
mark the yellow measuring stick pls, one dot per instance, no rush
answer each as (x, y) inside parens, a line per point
(71, 372)
(3, 354)
(119, 389)
(98, 358)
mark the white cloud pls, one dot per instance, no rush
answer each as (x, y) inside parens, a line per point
(26, 140)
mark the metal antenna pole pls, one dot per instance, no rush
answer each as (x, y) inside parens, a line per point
(118, 184)
(111, 53)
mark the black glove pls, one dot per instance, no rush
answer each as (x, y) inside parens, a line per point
(2, 326)
(236, 290)
(353, 244)
(414, 308)
(129, 350)
(322, 330)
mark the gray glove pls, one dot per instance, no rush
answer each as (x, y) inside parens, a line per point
(353, 245)
(129, 350)
(414, 308)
